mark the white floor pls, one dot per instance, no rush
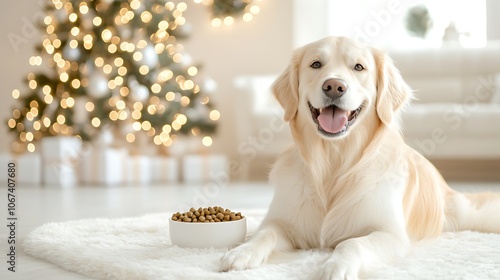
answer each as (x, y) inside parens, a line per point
(38, 205)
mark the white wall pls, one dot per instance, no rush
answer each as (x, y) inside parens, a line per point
(492, 19)
(262, 46)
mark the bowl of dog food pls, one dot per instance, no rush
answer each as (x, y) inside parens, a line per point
(211, 227)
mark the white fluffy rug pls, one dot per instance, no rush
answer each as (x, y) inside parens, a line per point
(140, 248)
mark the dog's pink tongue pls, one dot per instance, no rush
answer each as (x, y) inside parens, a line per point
(332, 120)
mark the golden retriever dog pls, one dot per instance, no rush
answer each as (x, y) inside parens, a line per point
(349, 182)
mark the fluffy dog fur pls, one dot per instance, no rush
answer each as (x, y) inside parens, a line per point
(361, 191)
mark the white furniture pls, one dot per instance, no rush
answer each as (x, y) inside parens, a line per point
(456, 114)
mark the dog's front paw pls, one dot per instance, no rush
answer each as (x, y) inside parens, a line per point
(243, 257)
(333, 270)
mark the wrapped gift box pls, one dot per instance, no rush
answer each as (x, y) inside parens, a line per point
(205, 168)
(60, 157)
(60, 148)
(5, 158)
(29, 168)
(59, 174)
(103, 165)
(138, 170)
(165, 170)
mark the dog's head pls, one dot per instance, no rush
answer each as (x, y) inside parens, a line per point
(334, 83)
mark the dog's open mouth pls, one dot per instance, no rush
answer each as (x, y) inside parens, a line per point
(333, 121)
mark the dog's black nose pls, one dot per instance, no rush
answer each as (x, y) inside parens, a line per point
(334, 88)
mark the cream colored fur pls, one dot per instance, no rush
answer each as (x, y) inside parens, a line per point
(365, 194)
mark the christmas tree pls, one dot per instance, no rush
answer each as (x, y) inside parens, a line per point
(113, 65)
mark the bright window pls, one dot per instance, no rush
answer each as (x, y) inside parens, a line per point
(383, 23)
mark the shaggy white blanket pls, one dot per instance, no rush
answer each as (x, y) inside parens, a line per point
(140, 248)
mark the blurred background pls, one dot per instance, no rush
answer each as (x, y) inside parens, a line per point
(158, 92)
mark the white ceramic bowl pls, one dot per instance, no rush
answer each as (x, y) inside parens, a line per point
(208, 235)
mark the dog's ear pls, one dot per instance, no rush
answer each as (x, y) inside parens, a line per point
(392, 91)
(286, 87)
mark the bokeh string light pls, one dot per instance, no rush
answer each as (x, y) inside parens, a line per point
(224, 12)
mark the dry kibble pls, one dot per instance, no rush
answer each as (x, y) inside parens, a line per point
(213, 214)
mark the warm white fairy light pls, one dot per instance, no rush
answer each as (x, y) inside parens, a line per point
(207, 141)
(144, 69)
(84, 9)
(63, 77)
(31, 147)
(75, 31)
(170, 96)
(156, 88)
(146, 125)
(11, 123)
(73, 17)
(46, 122)
(32, 84)
(113, 115)
(73, 44)
(75, 83)
(192, 71)
(96, 122)
(136, 126)
(137, 56)
(130, 137)
(16, 93)
(37, 125)
(185, 101)
(112, 48)
(97, 21)
(48, 99)
(106, 35)
(214, 115)
(107, 69)
(99, 62)
(166, 75)
(229, 20)
(118, 80)
(56, 43)
(124, 91)
(216, 22)
(152, 109)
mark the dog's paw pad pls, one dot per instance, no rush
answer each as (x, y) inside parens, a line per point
(336, 271)
(242, 257)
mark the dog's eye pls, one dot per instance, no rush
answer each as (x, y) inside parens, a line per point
(316, 64)
(359, 67)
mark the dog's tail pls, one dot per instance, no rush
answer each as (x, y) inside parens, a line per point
(474, 211)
